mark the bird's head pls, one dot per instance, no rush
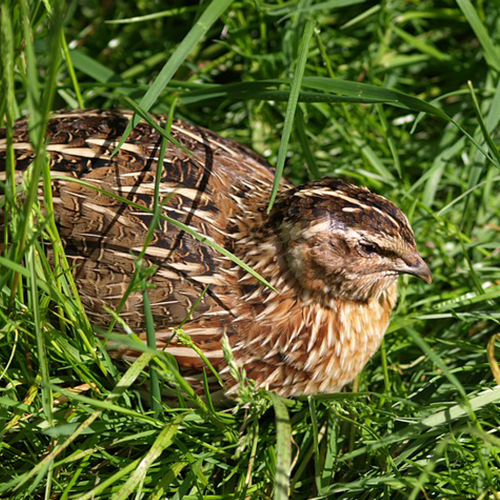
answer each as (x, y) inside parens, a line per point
(342, 240)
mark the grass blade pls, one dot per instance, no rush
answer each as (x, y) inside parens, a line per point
(40, 341)
(304, 143)
(40, 106)
(394, 97)
(484, 129)
(437, 360)
(156, 15)
(163, 441)
(93, 68)
(291, 107)
(423, 47)
(261, 91)
(197, 32)
(328, 5)
(490, 51)
(128, 378)
(71, 70)
(283, 448)
(151, 341)
(94, 492)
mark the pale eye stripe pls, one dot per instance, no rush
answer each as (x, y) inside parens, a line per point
(317, 228)
(382, 241)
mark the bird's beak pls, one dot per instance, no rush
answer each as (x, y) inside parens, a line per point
(416, 266)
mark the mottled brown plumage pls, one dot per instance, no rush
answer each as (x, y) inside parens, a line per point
(332, 250)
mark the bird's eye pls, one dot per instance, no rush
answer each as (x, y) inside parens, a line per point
(369, 248)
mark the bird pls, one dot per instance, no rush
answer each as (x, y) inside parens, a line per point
(331, 250)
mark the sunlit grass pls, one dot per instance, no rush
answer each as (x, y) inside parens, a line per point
(403, 97)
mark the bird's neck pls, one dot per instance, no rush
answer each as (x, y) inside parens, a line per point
(303, 344)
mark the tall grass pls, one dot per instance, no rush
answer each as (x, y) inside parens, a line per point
(401, 96)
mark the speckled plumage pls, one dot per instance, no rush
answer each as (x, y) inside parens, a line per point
(332, 250)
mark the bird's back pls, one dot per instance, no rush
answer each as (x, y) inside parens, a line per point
(205, 189)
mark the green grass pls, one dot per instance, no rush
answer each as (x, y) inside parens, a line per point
(401, 96)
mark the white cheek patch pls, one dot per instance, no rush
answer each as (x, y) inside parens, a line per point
(296, 261)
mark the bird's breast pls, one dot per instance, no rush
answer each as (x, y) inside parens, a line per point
(351, 334)
(315, 349)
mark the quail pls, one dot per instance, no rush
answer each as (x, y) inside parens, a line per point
(331, 250)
